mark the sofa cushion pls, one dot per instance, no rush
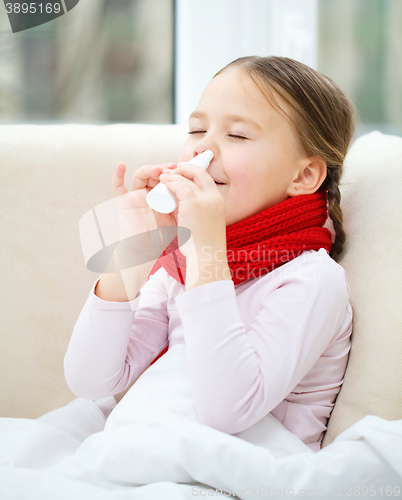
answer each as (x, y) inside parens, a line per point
(371, 191)
(51, 176)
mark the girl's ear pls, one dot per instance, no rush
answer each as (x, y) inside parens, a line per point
(309, 177)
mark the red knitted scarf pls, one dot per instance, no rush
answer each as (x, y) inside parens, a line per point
(265, 241)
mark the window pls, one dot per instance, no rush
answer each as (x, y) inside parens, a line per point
(104, 61)
(116, 60)
(360, 48)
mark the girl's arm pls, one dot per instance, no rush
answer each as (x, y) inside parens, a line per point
(114, 342)
(240, 374)
(116, 338)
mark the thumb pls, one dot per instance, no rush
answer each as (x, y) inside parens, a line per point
(119, 188)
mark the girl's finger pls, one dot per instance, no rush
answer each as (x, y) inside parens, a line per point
(146, 176)
(168, 167)
(194, 174)
(181, 187)
(119, 188)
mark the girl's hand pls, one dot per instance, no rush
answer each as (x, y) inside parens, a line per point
(144, 180)
(135, 215)
(201, 207)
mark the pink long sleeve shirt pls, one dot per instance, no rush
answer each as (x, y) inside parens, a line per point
(274, 344)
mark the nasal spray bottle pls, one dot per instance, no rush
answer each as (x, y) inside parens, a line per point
(164, 201)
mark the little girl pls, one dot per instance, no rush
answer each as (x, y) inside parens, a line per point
(260, 305)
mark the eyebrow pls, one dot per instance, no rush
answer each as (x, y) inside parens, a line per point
(230, 118)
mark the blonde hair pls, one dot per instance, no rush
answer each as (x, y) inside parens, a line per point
(323, 117)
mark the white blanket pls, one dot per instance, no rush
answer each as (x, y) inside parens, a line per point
(153, 447)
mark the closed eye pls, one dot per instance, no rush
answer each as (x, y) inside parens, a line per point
(237, 136)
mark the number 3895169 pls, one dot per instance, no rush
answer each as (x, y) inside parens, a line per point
(33, 8)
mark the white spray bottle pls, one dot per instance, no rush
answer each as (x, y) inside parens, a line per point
(164, 201)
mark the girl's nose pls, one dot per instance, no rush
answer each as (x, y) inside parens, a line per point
(207, 141)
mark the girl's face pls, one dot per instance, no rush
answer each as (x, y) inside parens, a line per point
(255, 150)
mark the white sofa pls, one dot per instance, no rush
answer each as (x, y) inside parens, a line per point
(52, 175)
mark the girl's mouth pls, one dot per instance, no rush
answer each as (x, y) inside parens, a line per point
(219, 183)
